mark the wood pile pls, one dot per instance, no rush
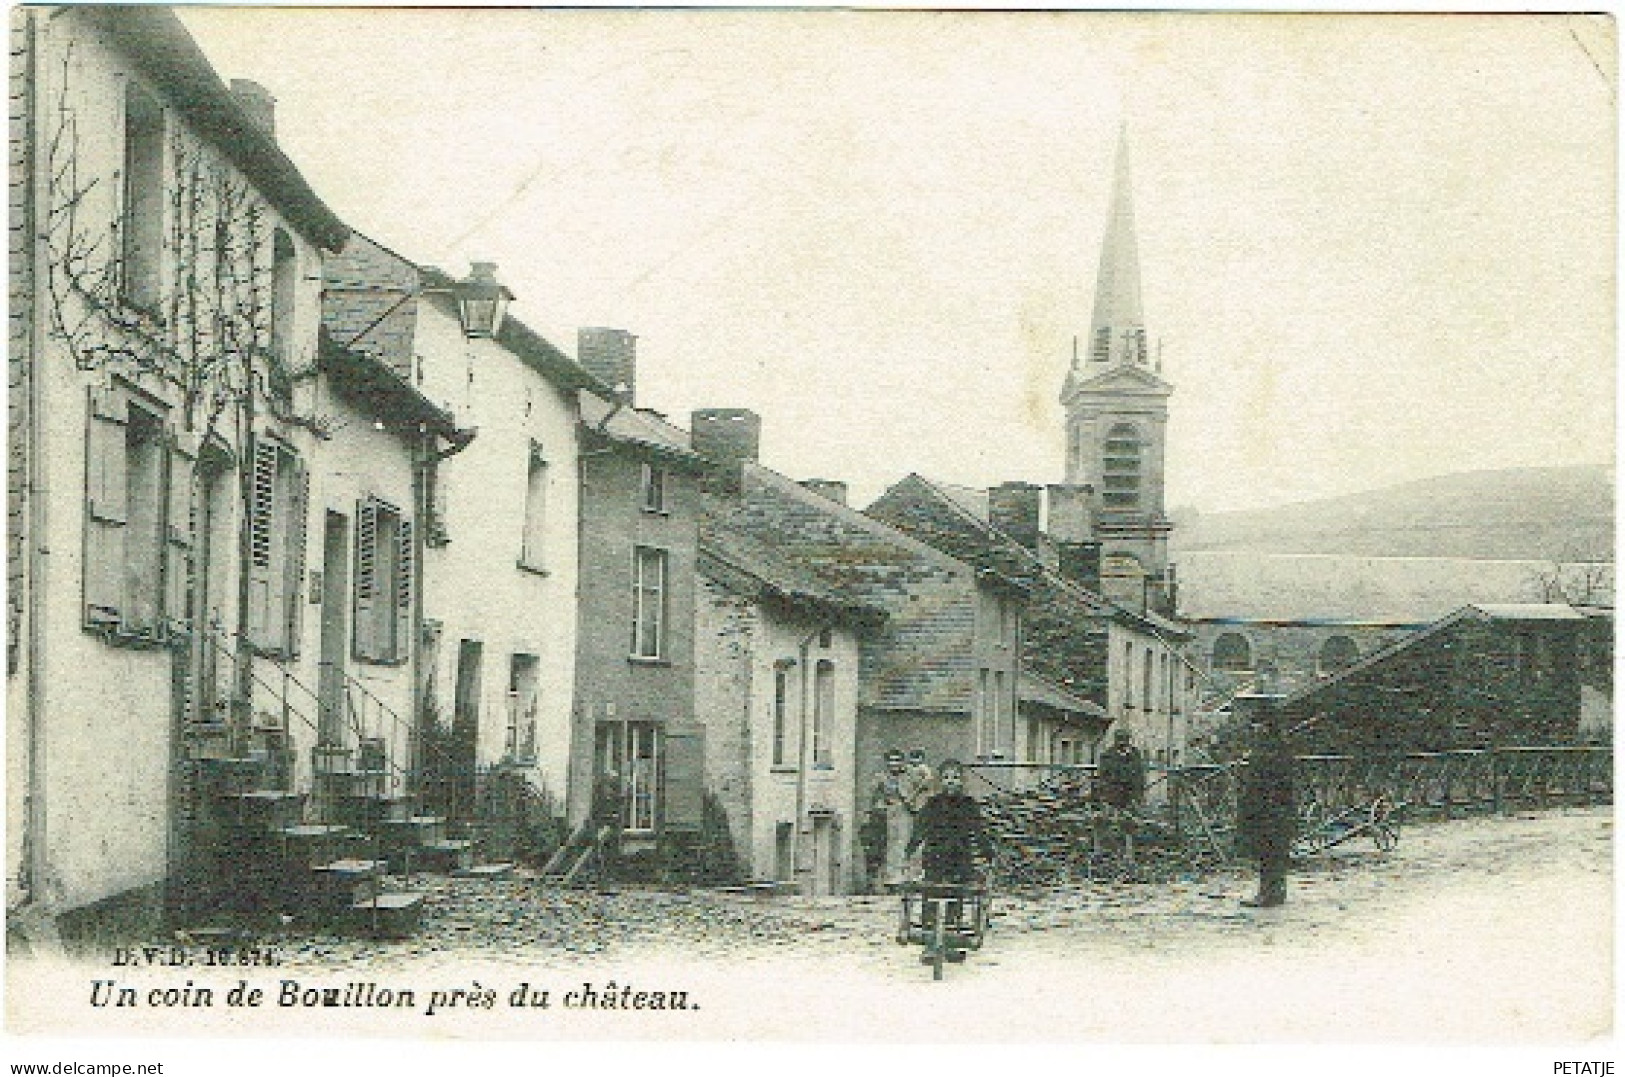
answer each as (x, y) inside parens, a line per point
(1055, 835)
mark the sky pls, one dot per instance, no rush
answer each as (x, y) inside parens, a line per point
(1373, 248)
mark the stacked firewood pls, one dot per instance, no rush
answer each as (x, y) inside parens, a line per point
(1054, 836)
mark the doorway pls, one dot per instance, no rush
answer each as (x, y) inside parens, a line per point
(332, 670)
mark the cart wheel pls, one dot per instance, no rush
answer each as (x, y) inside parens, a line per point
(939, 948)
(1386, 837)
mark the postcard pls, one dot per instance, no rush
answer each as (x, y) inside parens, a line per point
(809, 526)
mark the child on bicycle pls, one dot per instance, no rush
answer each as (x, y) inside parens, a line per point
(951, 828)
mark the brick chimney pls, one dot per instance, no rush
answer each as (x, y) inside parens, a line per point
(1013, 508)
(728, 438)
(833, 489)
(611, 356)
(1071, 512)
(257, 102)
(727, 435)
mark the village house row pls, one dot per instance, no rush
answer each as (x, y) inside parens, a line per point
(296, 521)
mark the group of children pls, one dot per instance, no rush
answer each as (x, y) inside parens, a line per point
(914, 809)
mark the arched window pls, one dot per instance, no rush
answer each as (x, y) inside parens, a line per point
(1120, 468)
(1231, 651)
(1337, 652)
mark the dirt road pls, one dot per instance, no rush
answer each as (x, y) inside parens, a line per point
(1481, 930)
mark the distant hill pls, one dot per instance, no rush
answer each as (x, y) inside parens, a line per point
(1559, 513)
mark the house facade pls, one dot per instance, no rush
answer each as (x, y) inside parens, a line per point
(1119, 667)
(495, 656)
(942, 674)
(183, 439)
(777, 661)
(639, 522)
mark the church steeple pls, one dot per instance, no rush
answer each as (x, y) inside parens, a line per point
(1117, 334)
(1117, 417)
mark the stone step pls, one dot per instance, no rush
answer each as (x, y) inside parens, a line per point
(309, 844)
(415, 830)
(485, 871)
(395, 914)
(271, 809)
(345, 883)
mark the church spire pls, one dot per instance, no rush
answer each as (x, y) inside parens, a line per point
(1118, 332)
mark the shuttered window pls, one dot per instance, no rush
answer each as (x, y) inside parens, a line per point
(279, 505)
(649, 602)
(384, 559)
(138, 518)
(682, 807)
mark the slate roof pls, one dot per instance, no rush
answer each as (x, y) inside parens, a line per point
(1509, 612)
(771, 572)
(1328, 588)
(922, 658)
(1032, 688)
(639, 428)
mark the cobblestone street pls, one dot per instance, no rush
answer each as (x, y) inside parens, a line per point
(1476, 928)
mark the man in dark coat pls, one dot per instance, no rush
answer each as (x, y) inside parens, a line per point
(1266, 808)
(1122, 774)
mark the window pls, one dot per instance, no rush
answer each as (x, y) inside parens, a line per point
(654, 488)
(531, 551)
(781, 713)
(284, 280)
(1004, 729)
(1147, 695)
(138, 518)
(276, 547)
(1338, 652)
(383, 583)
(522, 685)
(1128, 675)
(143, 217)
(642, 765)
(1232, 652)
(1120, 471)
(649, 602)
(823, 713)
(984, 715)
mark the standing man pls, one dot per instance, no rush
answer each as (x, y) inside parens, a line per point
(1122, 774)
(890, 799)
(1122, 787)
(919, 784)
(607, 815)
(1266, 807)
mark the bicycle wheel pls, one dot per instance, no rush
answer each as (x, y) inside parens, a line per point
(939, 943)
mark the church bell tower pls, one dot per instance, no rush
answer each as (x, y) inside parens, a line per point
(1116, 421)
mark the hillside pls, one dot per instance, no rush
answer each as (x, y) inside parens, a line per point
(1520, 514)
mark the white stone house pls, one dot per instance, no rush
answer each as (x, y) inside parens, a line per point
(777, 660)
(497, 663)
(178, 430)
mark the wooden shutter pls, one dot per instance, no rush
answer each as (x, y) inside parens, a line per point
(405, 559)
(366, 581)
(106, 511)
(178, 534)
(683, 780)
(293, 587)
(262, 615)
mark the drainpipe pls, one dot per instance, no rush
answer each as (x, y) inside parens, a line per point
(425, 456)
(36, 860)
(803, 759)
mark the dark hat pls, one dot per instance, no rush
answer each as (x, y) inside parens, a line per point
(894, 756)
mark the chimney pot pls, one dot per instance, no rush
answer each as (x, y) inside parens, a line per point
(1013, 507)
